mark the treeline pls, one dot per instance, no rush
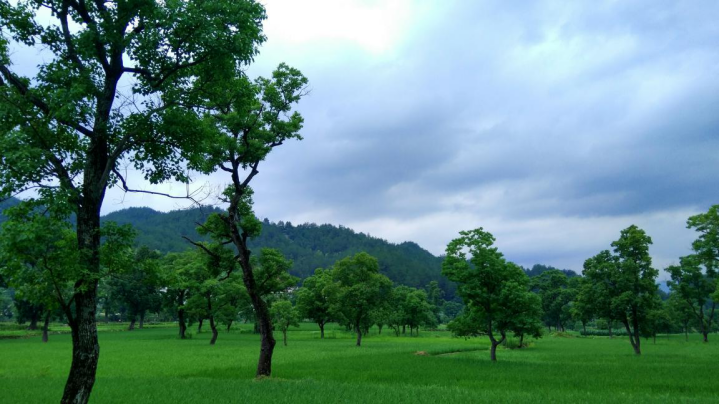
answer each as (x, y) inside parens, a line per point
(618, 287)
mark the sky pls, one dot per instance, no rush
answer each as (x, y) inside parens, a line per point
(551, 124)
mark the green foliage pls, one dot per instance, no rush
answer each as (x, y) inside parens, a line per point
(495, 292)
(309, 246)
(554, 290)
(137, 290)
(623, 283)
(315, 297)
(360, 290)
(284, 316)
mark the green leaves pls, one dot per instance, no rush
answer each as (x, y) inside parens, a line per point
(495, 291)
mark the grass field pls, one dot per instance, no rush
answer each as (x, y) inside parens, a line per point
(153, 365)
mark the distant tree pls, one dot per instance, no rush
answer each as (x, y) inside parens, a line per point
(658, 320)
(435, 297)
(177, 275)
(583, 306)
(495, 292)
(361, 289)
(451, 310)
(696, 290)
(552, 286)
(680, 312)
(315, 298)
(284, 315)
(418, 311)
(624, 283)
(694, 280)
(138, 288)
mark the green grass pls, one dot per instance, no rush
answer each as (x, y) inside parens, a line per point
(153, 365)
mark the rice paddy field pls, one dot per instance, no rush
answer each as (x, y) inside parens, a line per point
(153, 365)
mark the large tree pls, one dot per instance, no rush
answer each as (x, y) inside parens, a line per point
(495, 292)
(624, 282)
(67, 131)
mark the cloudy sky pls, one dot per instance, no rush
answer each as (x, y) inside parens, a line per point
(552, 124)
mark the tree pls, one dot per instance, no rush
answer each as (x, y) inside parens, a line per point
(680, 312)
(624, 282)
(250, 119)
(583, 308)
(176, 272)
(315, 297)
(435, 298)
(695, 278)
(67, 130)
(39, 260)
(138, 289)
(495, 292)
(361, 289)
(696, 289)
(552, 286)
(284, 316)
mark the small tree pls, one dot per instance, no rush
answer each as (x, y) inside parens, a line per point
(361, 289)
(495, 292)
(284, 316)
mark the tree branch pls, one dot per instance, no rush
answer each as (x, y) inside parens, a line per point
(16, 83)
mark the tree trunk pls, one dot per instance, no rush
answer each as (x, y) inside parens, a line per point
(379, 328)
(322, 330)
(33, 321)
(85, 348)
(359, 335)
(686, 332)
(183, 324)
(229, 325)
(267, 343)
(584, 327)
(521, 340)
(132, 324)
(633, 337)
(284, 336)
(213, 327)
(142, 319)
(44, 327)
(199, 325)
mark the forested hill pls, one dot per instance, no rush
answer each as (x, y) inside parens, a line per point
(310, 246)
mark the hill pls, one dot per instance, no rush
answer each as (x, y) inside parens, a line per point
(309, 245)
